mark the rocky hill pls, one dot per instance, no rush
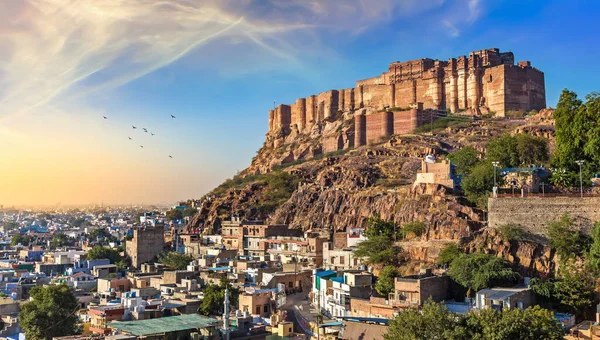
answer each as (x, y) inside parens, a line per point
(291, 181)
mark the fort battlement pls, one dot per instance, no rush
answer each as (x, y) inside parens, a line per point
(485, 81)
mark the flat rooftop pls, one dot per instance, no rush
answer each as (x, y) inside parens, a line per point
(164, 325)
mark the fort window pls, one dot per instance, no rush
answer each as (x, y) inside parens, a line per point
(490, 79)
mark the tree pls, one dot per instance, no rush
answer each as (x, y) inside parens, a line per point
(59, 240)
(175, 260)
(214, 298)
(99, 252)
(478, 184)
(448, 254)
(593, 256)
(50, 313)
(376, 226)
(174, 214)
(511, 232)
(385, 281)
(479, 271)
(377, 250)
(571, 292)
(533, 323)
(565, 238)
(434, 321)
(100, 234)
(189, 211)
(24, 240)
(416, 228)
(464, 159)
(518, 150)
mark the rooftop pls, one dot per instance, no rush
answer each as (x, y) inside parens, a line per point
(164, 325)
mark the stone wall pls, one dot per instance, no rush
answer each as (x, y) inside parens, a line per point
(534, 213)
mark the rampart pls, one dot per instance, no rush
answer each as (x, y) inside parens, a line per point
(534, 213)
(485, 79)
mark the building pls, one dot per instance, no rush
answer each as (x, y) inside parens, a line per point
(505, 298)
(484, 81)
(146, 243)
(183, 326)
(351, 285)
(103, 271)
(416, 289)
(101, 316)
(257, 303)
(341, 259)
(436, 173)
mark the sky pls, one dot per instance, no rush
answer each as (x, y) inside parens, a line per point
(219, 66)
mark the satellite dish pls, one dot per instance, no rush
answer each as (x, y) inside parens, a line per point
(430, 159)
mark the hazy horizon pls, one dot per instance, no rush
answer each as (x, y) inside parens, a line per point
(218, 66)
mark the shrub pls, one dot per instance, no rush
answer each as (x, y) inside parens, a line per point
(511, 232)
(448, 254)
(418, 228)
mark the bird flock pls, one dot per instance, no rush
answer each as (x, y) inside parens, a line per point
(145, 130)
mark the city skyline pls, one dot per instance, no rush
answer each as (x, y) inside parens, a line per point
(219, 67)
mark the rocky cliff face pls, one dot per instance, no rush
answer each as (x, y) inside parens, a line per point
(343, 189)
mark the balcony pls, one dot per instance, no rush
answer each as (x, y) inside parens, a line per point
(344, 303)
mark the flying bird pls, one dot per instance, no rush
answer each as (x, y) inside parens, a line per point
(104, 117)
(170, 156)
(152, 133)
(144, 129)
(141, 146)
(129, 138)
(133, 127)
(172, 116)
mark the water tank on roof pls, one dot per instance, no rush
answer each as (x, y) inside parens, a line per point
(430, 159)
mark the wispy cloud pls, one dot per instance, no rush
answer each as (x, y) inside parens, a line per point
(452, 30)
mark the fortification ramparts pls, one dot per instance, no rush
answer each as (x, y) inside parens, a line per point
(486, 80)
(534, 213)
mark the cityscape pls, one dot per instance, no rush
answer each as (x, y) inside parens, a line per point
(410, 181)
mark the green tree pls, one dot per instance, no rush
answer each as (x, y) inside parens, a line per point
(100, 234)
(448, 254)
(214, 298)
(570, 129)
(565, 238)
(533, 323)
(175, 260)
(376, 226)
(385, 281)
(593, 256)
(571, 292)
(478, 184)
(417, 228)
(518, 150)
(189, 211)
(59, 240)
(377, 250)
(50, 313)
(434, 321)
(479, 271)
(99, 252)
(464, 159)
(511, 232)
(24, 240)
(174, 214)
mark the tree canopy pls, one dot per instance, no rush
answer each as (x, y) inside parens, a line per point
(385, 281)
(448, 254)
(518, 150)
(479, 271)
(464, 159)
(175, 260)
(377, 250)
(478, 184)
(99, 252)
(59, 240)
(436, 322)
(376, 226)
(50, 313)
(174, 214)
(24, 240)
(565, 238)
(214, 298)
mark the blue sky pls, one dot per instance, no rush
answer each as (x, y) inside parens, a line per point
(219, 66)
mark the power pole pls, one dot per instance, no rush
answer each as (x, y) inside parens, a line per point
(580, 163)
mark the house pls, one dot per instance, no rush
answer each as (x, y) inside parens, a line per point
(414, 290)
(433, 172)
(352, 285)
(101, 316)
(104, 270)
(170, 327)
(82, 280)
(505, 298)
(257, 303)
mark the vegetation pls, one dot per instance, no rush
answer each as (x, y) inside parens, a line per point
(174, 214)
(376, 226)
(175, 260)
(100, 235)
(443, 123)
(511, 232)
(24, 240)
(385, 281)
(566, 239)
(279, 187)
(416, 228)
(189, 211)
(519, 150)
(577, 133)
(60, 240)
(214, 297)
(593, 256)
(448, 254)
(571, 292)
(479, 271)
(478, 184)
(436, 322)
(99, 252)
(50, 313)
(377, 250)
(464, 159)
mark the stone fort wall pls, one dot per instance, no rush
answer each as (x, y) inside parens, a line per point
(534, 213)
(486, 78)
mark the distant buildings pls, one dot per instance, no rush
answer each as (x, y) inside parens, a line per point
(146, 243)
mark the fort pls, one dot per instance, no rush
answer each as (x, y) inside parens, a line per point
(413, 93)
